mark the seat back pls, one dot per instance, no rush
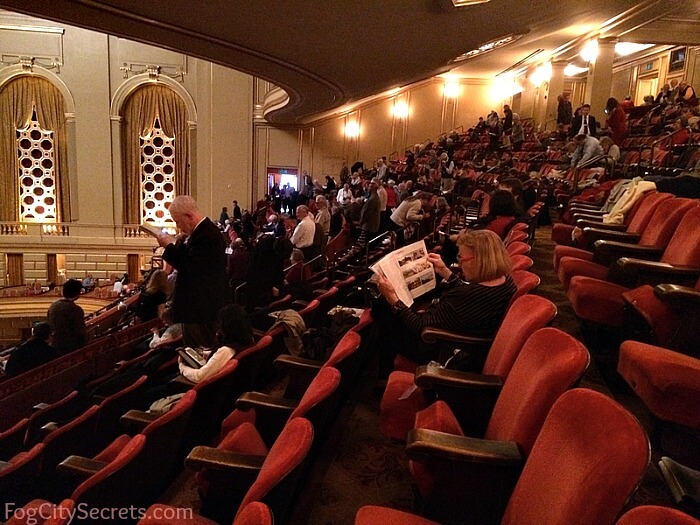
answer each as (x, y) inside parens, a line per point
(586, 436)
(518, 248)
(75, 437)
(277, 480)
(255, 368)
(12, 439)
(347, 359)
(527, 314)
(18, 479)
(646, 209)
(62, 410)
(684, 247)
(115, 406)
(120, 483)
(550, 362)
(254, 513)
(164, 437)
(318, 402)
(664, 221)
(521, 262)
(525, 282)
(655, 515)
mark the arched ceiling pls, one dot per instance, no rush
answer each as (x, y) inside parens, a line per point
(329, 53)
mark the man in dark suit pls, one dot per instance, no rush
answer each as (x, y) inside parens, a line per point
(584, 123)
(201, 287)
(34, 352)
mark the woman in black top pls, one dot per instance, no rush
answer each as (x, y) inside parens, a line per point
(154, 294)
(474, 305)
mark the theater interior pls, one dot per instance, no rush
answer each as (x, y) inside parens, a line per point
(581, 408)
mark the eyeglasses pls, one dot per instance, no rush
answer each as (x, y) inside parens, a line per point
(465, 258)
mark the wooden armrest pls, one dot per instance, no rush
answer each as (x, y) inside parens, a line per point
(4, 465)
(265, 401)
(432, 335)
(587, 216)
(678, 296)
(182, 383)
(299, 304)
(137, 418)
(612, 250)
(80, 466)
(429, 376)
(317, 292)
(423, 443)
(587, 223)
(652, 272)
(598, 234)
(259, 334)
(49, 427)
(40, 406)
(208, 457)
(299, 363)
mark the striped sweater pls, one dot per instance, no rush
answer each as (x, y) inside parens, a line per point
(463, 307)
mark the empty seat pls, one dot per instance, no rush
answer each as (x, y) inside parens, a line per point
(469, 480)
(655, 515)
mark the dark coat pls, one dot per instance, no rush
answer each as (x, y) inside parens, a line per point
(576, 125)
(32, 353)
(201, 287)
(370, 215)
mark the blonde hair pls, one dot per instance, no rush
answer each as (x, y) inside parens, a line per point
(157, 282)
(490, 256)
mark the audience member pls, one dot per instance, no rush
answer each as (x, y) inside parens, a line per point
(33, 353)
(223, 216)
(68, 319)
(199, 256)
(303, 235)
(153, 295)
(564, 109)
(172, 331)
(686, 94)
(584, 123)
(617, 121)
(475, 305)
(236, 212)
(370, 214)
(587, 148)
(323, 216)
(237, 264)
(503, 214)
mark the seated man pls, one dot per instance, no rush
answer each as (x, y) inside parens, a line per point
(587, 147)
(34, 352)
(68, 319)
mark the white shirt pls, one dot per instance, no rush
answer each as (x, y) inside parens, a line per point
(407, 212)
(381, 192)
(303, 235)
(323, 219)
(215, 363)
(585, 123)
(344, 196)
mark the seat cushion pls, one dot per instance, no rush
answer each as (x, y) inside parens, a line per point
(660, 317)
(569, 251)
(656, 515)
(113, 449)
(561, 234)
(236, 419)
(396, 416)
(597, 301)
(668, 382)
(572, 266)
(404, 364)
(371, 515)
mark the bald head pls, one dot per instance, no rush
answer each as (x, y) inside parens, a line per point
(185, 213)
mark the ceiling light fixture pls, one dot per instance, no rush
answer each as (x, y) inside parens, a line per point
(572, 70)
(629, 48)
(491, 45)
(465, 3)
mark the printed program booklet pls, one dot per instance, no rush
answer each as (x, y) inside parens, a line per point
(408, 270)
(151, 230)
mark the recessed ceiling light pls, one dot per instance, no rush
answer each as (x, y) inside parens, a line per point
(628, 48)
(464, 3)
(489, 46)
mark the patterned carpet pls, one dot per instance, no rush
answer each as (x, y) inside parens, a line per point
(358, 466)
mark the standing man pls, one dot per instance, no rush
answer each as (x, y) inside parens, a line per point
(68, 319)
(236, 210)
(447, 166)
(584, 123)
(199, 257)
(564, 110)
(303, 235)
(370, 214)
(381, 169)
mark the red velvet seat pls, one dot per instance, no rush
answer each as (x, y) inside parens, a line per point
(601, 302)
(655, 515)
(667, 382)
(62, 410)
(274, 480)
(515, 236)
(526, 315)
(12, 439)
(640, 218)
(521, 262)
(114, 406)
(39, 512)
(665, 315)
(465, 479)
(373, 515)
(657, 234)
(18, 477)
(585, 437)
(518, 248)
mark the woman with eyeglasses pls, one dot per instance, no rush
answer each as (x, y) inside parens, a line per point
(473, 303)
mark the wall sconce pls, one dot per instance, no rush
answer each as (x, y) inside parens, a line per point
(352, 129)
(590, 51)
(400, 110)
(542, 74)
(451, 89)
(572, 70)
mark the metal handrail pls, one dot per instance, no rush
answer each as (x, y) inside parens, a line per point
(547, 122)
(590, 162)
(392, 236)
(665, 138)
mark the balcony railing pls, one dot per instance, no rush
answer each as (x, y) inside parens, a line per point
(52, 231)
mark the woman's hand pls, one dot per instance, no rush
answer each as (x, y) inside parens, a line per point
(387, 290)
(439, 266)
